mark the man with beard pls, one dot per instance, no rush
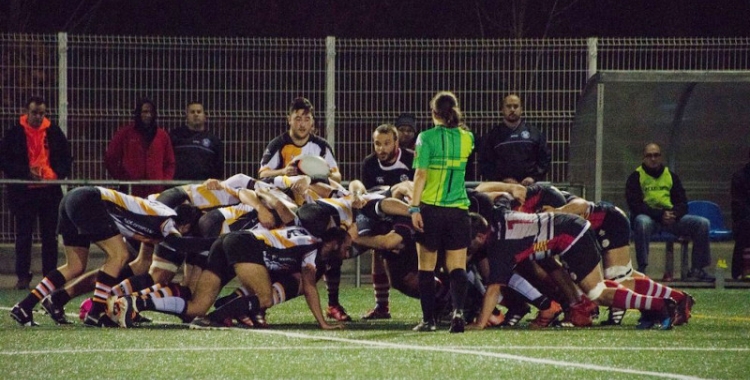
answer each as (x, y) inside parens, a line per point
(278, 158)
(514, 151)
(388, 165)
(141, 151)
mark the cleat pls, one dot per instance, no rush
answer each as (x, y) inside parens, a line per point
(125, 311)
(545, 318)
(684, 309)
(138, 319)
(102, 321)
(205, 323)
(259, 319)
(379, 312)
(111, 306)
(614, 317)
(647, 320)
(56, 313)
(668, 314)
(425, 326)
(221, 301)
(578, 315)
(244, 322)
(84, 309)
(458, 324)
(513, 316)
(23, 317)
(338, 313)
(496, 318)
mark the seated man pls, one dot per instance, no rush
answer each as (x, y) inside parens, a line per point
(657, 201)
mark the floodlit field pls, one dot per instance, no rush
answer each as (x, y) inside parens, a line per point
(715, 344)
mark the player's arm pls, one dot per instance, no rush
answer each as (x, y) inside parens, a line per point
(282, 209)
(310, 289)
(250, 198)
(517, 191)
(577, 206)
(488, 304)
(389, 241)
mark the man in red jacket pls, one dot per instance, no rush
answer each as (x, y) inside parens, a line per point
(141, 151)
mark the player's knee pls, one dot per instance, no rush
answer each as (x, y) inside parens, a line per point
(596, 292)
(619, 273)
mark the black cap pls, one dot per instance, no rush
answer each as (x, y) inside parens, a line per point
(406, 119)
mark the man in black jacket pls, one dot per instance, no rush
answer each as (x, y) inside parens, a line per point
(35, 149)
(740, 191)
(514, 151)
(198, 153)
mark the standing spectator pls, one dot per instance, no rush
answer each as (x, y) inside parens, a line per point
(741, 223)
(439, 207)
(388, 165)
(35, 149)
(657, 201)
(299, 140)
(141, 151)
(407, 130)
(199, 154)
(514, 151)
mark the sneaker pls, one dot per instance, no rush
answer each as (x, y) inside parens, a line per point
(684, 310)
(513, 316)
(124, 311)
(614, 317)
(244, 322)
(425, 326)
(338, 313)
(458, 324)
(139, 318)
(699, 275)
(205, 323)
(647, 320)
(25, 318)
(379, 312)
(544, 318)
(668, 314)
(56, 313)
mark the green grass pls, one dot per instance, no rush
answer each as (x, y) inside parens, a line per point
(715, 344)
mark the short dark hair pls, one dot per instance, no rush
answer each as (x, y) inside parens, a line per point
(190, 103)
(301, 103)
(387, 128)
(35, 99)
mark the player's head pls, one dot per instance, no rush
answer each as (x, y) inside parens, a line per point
(385, 142)
(187, 217)
(445, 110)
(480, 229)
(300, 118)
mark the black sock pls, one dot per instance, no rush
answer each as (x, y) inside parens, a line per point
(427, 295)
(237, 307)
(140, 282)
(459, 284)
(60, 297)
(542, 303)
(126, 272)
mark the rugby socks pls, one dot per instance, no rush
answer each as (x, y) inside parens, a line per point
(235, 308)
(524, 287)
(625, 298)
(169, 305)
(333, 280)
(427, 295)
(54, 280)
(649, 287)
(60, 297)
(458, 289)
(132, 285)
(382, 288)
(104, 284)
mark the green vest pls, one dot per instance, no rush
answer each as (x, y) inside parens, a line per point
(444, 152)
(656, 190)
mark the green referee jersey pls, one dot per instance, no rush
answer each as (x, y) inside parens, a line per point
(444, 153)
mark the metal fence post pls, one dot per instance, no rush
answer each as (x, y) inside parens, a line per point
(593, 53)
(62, 81)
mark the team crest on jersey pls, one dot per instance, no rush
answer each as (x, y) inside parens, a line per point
(525, 135)
(206, 142)
(404, 177)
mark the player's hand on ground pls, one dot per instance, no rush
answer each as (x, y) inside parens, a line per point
(332, 326)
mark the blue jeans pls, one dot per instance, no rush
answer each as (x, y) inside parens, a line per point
(695, 227)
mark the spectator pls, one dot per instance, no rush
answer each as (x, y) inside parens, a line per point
(514, 151)
(657, 201)
(299, 140)
(440, 196)
(141, 151)
(35, 149)
(388, 165)
(198, 153)
(407, 130)
(741, 223)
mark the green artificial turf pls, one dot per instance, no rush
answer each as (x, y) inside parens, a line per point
(715, 344)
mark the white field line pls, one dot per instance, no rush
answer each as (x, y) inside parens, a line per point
(384, 345)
